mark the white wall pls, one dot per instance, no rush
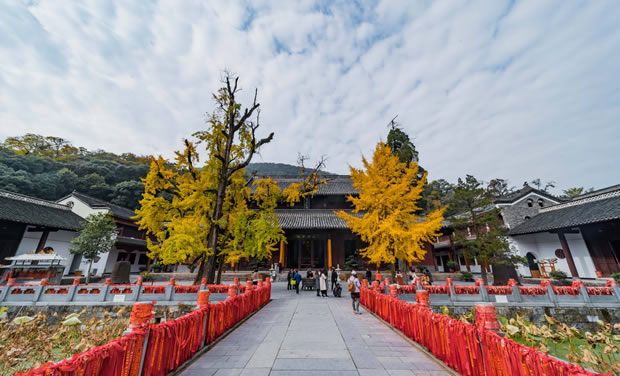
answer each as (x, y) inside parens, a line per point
(80, 208)
(543, 246)
(59, 240)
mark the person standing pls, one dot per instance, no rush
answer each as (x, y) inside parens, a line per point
(369, 276)
(297, 278)
(334, 278)
(289, 278)
(354, 289)
(317, 281)
(323, 283)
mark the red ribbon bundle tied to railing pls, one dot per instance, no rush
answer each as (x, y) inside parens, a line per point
(470, 350)
(166, 346)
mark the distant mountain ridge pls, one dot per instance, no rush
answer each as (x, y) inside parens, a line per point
(276, 169)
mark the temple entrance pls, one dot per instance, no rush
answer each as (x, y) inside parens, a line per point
(307, 251)
(533, 265)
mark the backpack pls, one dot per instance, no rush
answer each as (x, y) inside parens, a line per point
(351, 286)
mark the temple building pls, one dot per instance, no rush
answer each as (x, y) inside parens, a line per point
(315, 236)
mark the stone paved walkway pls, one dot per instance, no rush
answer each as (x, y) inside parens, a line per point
(306, 335)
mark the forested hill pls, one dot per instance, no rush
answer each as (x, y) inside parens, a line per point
(100, 175)
(51, 167)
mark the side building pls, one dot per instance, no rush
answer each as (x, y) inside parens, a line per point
(29, 224)
(582, 234)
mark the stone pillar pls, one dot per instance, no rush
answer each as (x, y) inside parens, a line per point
(423, 299)
(232, 291)
(393, 291)
(141, 315)
(203, 298)
(236, 281)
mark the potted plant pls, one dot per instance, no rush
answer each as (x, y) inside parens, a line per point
(452, 266)
(467, 276)
(156, 268)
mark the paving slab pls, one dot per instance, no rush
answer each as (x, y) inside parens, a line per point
(306, 335)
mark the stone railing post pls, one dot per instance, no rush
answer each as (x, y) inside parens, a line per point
(39, 291)
(484, 293)
(232, 291)
(137, 290)
(516, 294)
(140, 317)
(422, 299)
(170, 289)
(106, 288)
(386, 286)
(203, 285)
(202, 303)
(73, 289)
(375, 286)
(5, 290)
(236, 281)
(393, 291)
(611, 283)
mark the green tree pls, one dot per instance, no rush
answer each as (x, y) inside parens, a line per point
(97, 236)
(571, 193)
(478, 227)
(127, 193)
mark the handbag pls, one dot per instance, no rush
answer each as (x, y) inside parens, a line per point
(293, 282)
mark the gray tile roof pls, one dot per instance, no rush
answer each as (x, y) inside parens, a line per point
(514, 196)
(94, 203)
(336, 185)
(33, 211)
(592, 209)
(310, 219)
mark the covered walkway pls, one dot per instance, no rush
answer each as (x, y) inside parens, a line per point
(306, 335)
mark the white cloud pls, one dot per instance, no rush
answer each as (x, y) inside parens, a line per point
(497, 89)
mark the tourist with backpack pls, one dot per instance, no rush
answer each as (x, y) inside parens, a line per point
(289, 278)
(297, 279)
(354, 289)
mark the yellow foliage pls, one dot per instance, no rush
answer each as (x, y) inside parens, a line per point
(386, 208)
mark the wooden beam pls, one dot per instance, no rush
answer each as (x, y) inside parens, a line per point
(569, 255)
(42, 240)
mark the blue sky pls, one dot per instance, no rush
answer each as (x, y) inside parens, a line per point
(516, 90)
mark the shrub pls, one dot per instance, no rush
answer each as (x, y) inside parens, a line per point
(351, 263)
(146, 276)
(421, 268)
(616, 276)
(558, 275)
(467, 276)
(156, 268)
(452, 265)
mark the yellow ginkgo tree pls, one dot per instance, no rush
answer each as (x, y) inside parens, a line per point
(189, 210)
(386, 212)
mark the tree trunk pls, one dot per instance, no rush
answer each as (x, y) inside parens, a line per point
(90, 265)
(201, 268)
(483, 274)
(393, 272)
(404, 270)
(219, 269)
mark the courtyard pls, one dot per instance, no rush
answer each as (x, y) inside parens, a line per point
(307, 335)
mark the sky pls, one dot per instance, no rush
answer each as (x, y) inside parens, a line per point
(497, 89)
